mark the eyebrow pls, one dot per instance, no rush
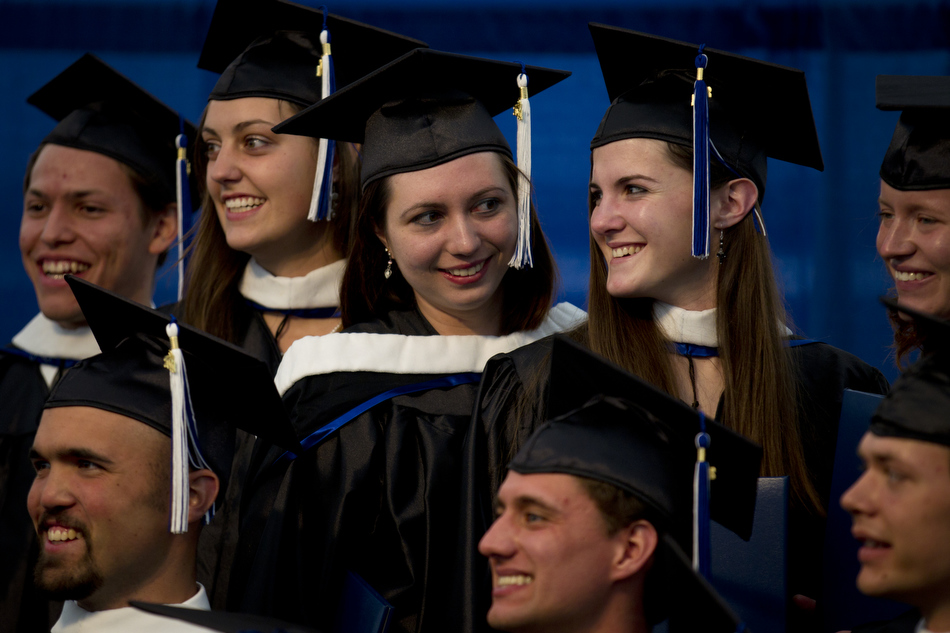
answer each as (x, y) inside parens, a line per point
(240, 126)
(74, 453)
(527, 501)
(442, 206)
(72, 194)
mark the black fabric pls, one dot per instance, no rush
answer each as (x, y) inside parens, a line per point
(757, 109)
(511, 405)
(918, 157)
(220, 621)
(380, 497)
(23, 609)
(904, 623)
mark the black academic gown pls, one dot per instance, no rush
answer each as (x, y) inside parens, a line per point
(511, 405)
(383, 496)
(905, 623)
(23, 609)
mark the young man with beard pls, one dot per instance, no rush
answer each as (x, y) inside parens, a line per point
(99, 201)
(900, 505)
(100, 499)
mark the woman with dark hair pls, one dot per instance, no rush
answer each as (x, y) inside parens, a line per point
(449, 267)
(709, 330)
(268, 256)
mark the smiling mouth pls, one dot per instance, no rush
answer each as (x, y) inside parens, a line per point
(59, 534)
(243, 204)
(900, 275)
(624, 251)
(57, 269)
(516, 580)
(872, 544)
(466, 272)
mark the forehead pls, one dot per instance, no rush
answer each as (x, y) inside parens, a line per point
(934, 200)
(924, 455)
(221, 115)
(463, 175)
(79, 170)
(633, 155)
(556, 490)
(104, 432)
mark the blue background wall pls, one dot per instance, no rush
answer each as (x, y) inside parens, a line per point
(821, 225)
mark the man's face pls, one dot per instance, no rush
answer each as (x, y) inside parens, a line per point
(81, 215)
(900, 508)
(99, 504)
(550, 555)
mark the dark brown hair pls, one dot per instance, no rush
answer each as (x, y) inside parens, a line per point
(212, 301)
(366, 295)
(153, 195)
(760, 391)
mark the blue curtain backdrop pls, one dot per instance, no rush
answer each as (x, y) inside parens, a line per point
(821, 225)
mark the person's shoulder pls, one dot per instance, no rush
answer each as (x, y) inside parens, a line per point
(823, 363)
(904, 623)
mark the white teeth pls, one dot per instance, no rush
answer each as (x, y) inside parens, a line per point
(506, 581)
(240, 205)
(872, 543)
(61, 534)
(466, 272)
(623, 251)
(57, 269)
(902, 276)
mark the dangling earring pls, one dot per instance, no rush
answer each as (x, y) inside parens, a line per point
(722, 253)
(389, 265)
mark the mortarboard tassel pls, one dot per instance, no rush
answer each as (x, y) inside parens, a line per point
(185, 449)
(182, 197)
(701, 94)
(701, 477)
(321, 198)
(522, 110)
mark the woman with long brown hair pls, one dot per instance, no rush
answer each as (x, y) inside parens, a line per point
(447, 269)
(682, 290)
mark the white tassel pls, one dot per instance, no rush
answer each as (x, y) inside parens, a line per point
(323, 144)
(175, 363)
(522, 256)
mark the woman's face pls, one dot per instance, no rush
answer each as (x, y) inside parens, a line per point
(642, 222)
(451, 230)
(260, 182)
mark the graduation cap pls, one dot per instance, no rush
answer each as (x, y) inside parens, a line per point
(619, 442)
(916, 405)
(577, 375)
(745, 109)
(428, 108)
(282, 50)
(99, 110)
(144, 354)
(918, 157)
(221, 620)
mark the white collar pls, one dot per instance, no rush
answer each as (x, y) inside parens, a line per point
(696, 327)
(75, 619)
(922, 627)
(400, 354)
(44, 337)
(320, 288)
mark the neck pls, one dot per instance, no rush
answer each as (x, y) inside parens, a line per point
(937, 617)
(485, 321)
(289, 263)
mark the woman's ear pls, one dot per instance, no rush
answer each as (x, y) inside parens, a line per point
(736, 199)
(382, 237)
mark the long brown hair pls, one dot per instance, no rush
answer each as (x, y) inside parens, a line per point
(760, 392)
(212, 301)
(366, 295)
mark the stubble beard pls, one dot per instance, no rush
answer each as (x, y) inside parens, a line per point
(64, 580)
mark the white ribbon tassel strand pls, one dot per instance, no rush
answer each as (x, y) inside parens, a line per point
(522, 256)
(175, 363)
(322, 143)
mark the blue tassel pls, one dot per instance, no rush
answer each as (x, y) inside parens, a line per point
(701, 539)
(700, 160)
(182, 197)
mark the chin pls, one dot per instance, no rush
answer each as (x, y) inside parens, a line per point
(65, 313)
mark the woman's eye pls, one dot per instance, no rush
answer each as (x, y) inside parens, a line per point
(254, 142)
(211, 149)
(885, 214)
(427, 219)
(633, 189)
(595, 197)
(488, 205)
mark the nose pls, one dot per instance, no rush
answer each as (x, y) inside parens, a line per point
(224, 168)
(498, 541)
(895, 238)
(50, 491)
(605, 219)
(464, 238)
(857, 498)
(58, 226)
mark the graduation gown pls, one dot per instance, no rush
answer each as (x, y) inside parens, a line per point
(24, 385)
(381, 495)
(904, 623)
(514, 391)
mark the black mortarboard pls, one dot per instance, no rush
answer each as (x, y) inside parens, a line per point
(577, 375)
(271, 48)
(225, 387)
(618, 442)
(100, 110)
(221, 620)
(918, 157)
(916, 405)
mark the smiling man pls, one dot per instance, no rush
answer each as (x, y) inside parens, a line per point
(900, 505)
(122, 487)
(914, 234)
(99, 202)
